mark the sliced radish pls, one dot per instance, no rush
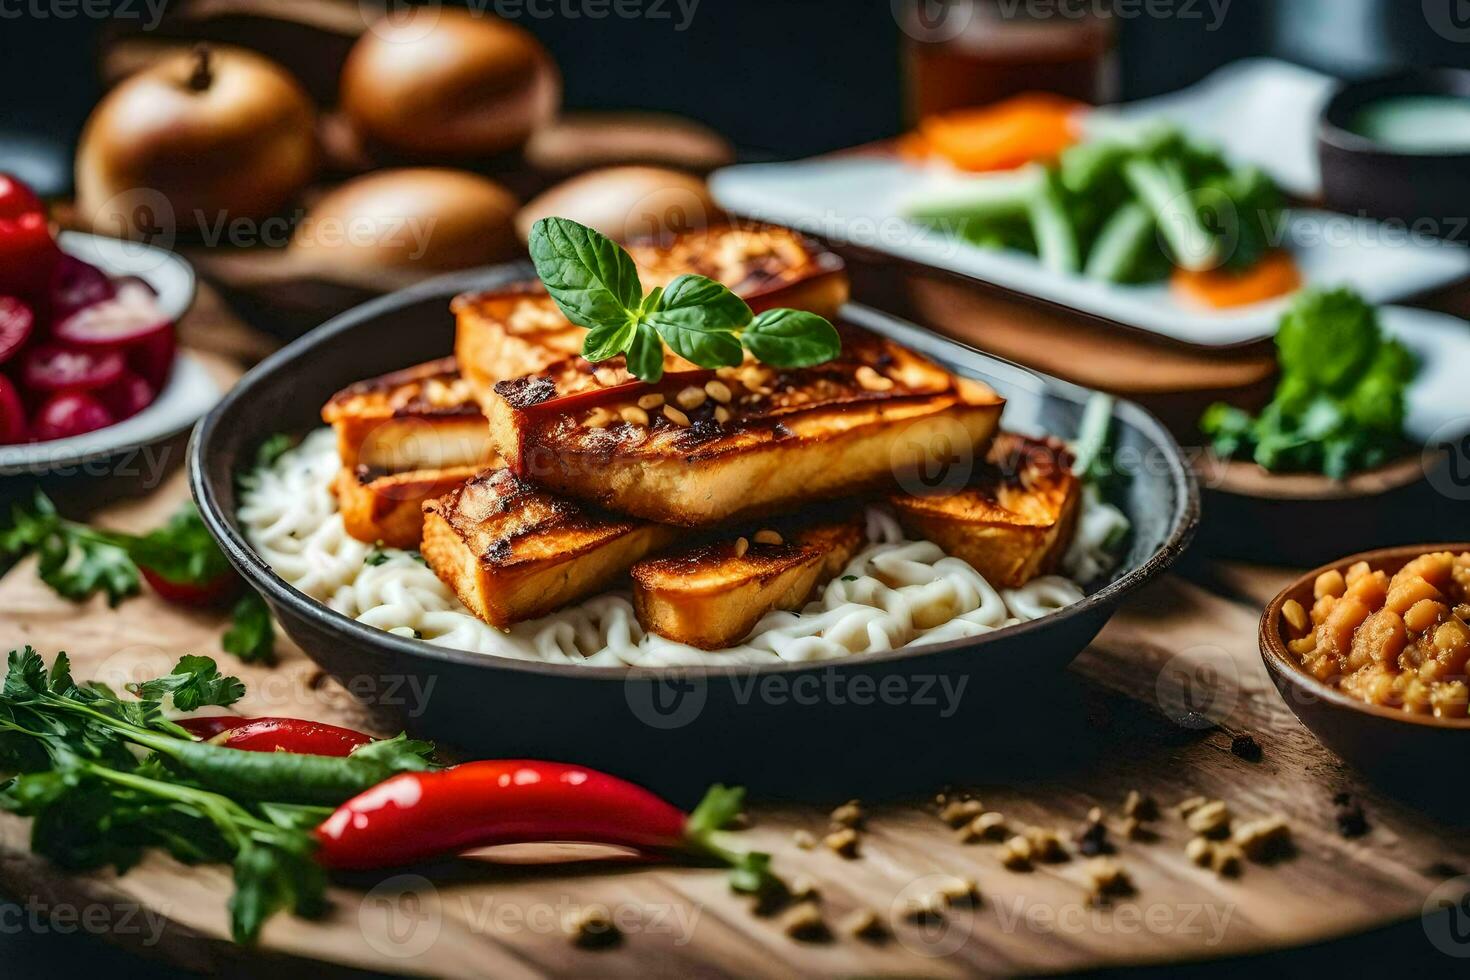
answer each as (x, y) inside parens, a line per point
(53, 368)
(17, 321)
(153, 357)
(12, 414)
(127, 396)
(127, 318)
(69, 413)
(76, 285)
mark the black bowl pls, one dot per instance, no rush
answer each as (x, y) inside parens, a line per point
(1360, 175)
(640, 722)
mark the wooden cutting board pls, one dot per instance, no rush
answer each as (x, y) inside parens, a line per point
(1111, 714)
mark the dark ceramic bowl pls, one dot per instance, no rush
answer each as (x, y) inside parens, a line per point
(634, 720)
(1360, 174)
(1413, 755)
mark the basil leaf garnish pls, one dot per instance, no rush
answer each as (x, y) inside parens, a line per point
(697, 318)
(591, 277)
(791, 339)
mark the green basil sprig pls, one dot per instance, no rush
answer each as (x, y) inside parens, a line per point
(595, 283)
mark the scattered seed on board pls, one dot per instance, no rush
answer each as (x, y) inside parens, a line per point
(864, 924)
(1093, 840)
(1226, 860)
(1046, 845)
(592, 928)
(956, 813)
(1200, 851)
(1210, 820)
(803, 889)
(804, 923)
(960, 892)
(1140, 806)
(987, 826)
(929, 908)
(1108, 879)
(1016, 854)
(1190, 805)
(843, 842)
(804, 840)
(1263, 839)
(849, 814)
(1131, 829)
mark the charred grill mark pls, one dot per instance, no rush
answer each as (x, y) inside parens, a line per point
(523, 393)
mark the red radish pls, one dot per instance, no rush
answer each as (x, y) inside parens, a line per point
(127, 396)
(69, 413)
(16, 323)
(53, 368)
(12, 414)
(127, 318)
(153, 357)
(76, 285)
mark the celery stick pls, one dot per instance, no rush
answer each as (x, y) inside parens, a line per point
(1056, 238)
(1115, 253)
(992, 197)
(1162, 187)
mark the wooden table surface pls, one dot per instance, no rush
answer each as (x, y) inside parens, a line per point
(1152, 705)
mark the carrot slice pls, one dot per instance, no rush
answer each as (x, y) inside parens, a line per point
(1276, 274)
(1027, 128)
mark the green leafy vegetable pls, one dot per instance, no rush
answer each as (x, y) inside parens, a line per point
(105, 778)
(1339, 406)
(182, 551)
(73, 559)
(595, 283)
(251, 635)
(272, 449)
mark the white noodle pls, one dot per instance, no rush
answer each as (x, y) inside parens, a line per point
(895, 593)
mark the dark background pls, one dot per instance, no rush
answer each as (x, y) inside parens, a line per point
(781, 78)
(787, 78)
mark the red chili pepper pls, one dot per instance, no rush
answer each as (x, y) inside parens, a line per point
(27, 251)
(190, 593)
(414, 817)
(275, 735)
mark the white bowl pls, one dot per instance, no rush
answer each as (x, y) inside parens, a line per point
(188, 394)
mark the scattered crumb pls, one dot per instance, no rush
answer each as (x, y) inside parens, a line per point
(592, 928)
(987, 826)
(930, 908)
(849, 814)
(959, 812)
(1264, 839)
(1093, 840)
(1226, 860)
(1211, 819)
(1246, 747)
(1200, 850)
(804, 923)
(1132, 829)
(960, 891)
(803, 889)
(1140, 806)
(1046, 845)
(843, 842)
(864, 924)
(1108, 879)
(804, 840)
(1016, 854)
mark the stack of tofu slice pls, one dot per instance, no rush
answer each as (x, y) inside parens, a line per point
(530, 478)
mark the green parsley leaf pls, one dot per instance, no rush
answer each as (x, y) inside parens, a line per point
(591, 278)
(194, 683)
(182, 551)
(698, 318)
(791, 339)
(252, 637)
(272, 449)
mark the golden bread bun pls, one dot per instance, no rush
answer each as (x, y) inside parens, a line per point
(626, 203)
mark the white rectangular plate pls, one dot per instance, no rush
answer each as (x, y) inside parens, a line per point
(856, 201)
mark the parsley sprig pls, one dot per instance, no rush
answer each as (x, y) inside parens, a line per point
(79, 561)
(106, 777)
(595, 283)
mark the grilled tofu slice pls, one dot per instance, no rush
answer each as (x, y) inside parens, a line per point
(389, 507)
(509, 332)
(711, 597)
(1014, 522)
(421, 418)
(512, 552)
(737, 442)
